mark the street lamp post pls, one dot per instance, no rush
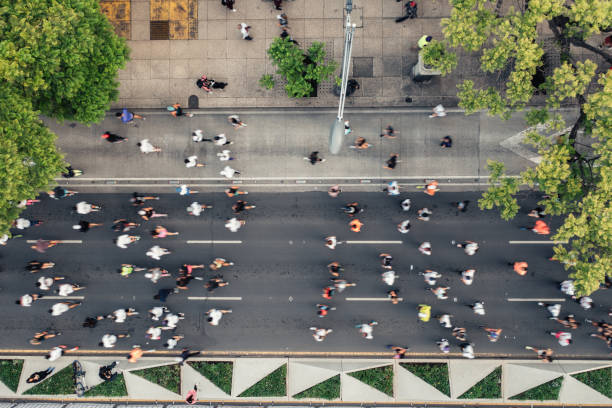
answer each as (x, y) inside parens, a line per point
(336, 134)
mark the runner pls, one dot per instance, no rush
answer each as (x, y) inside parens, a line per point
(393, 295)
(320, 334)
(122, 241)
(323, 310)
(389, 277)
(553, 309)
(62, 307)
(37, 266)
(367, 329)
(440, 292)
(445, 321)
(331, 242)
(467, 276)
(469, 247)
(564, 338)
(233, 224)
(45, 283)
(233, 191)
(123, 225)
(196, 208)
(404, 227)
(162, 232)
(335, 269)
(240, 206)
(425, 248)
(430, 276)
(83, 207)
(138, 199)
(121, 315)
(392, 188)
(443, 345)
(155, 274)
(424, 214)
(217, 264)
(431, 188)
(493, 334)
(156, 252)
(149, 212)
(66, 289)
(213, 316)
(519, 267)
(543, 354)
(478, 308)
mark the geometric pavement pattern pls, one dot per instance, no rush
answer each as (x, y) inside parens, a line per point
(303, 373)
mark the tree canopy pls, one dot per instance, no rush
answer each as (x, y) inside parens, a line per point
(575, 171)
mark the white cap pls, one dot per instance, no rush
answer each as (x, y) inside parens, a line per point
(77, 227)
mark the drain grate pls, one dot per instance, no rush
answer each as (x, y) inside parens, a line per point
(160, 30)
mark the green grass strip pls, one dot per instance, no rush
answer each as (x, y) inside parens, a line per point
(434, 374)
(60, 383)
(218, 372)
(489, 387)
(115, 388)
(544, 392)
(168, 376)
(380, 378)
(273, 385)
(328, 389)
(10, 371)
(600, 380)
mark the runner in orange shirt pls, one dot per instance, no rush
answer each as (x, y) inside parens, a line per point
(520, 267)
(356, 225)
(431, 188)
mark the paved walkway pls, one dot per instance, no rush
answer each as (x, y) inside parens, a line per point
(517, 376)
(270, 150)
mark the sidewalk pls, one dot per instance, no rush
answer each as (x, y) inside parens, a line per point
(391, 381)
(163, 72)
(270, 150)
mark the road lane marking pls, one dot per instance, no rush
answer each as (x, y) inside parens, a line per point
(373, 242)
(65, 241)
(213, 298)
(371, 299)
(535, 300)
(62, 297)
(213, 242)
(536, 242)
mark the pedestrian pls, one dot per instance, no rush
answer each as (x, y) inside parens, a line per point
(543, 354)
(27, 299)
(564, 338)
(192, 161)
(62, 307)
(331, 242)
(39, 337)
(244, 30)
(399, 351)
(467, 350)
(213, 316)
(446, 141)
(234, 191)
(205, 84)
(36, 266)
(406, 204)
(216, 264)
(323, 310)
(320, 334)
(225, 155)
(177, 111)
(423, 214)
(430, 276)
(334, 191)
(235, 121)
(84, 226)
(443, 345)
(356, 225)
(229, 172)
(156, 252)
(71, 172)
(278, 4)
(162, 232)
(389, 277)
(385, 260)
(156, 274)
(172, 342)
(445, 320)
(492, 334)
(122, 241)
(149, 212)
(391, 163)
(467, 276)
(135, 354)
(360, 143)
(313, 158)
(128, 117)
(462, 205)
(139, 199)
(39, 375)
(469, 247)
(283, 21)
(404, 227)
(440, 292)
(367, 329)
(66, 289)
(113, 138)
(347, 128)
(425, 248)
(553, 309)
(478, 308)
(389, 132)
(106, 372)
(438, 110)
(83, 207)
(146, 147)
(184, 190)
(431, 188)
(424, 41)
(229, 4)
(233, 224)
(196, 208)
(392, 188)
(45, 283)
(192, 395)
(393, 295)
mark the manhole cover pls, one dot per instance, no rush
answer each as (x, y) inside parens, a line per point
(160, 30)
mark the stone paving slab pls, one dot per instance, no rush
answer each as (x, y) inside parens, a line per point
(141, 389)
(575, 392)
(463, 374)
(413, 388)
(351, 389)
(249, 371)
(32, 365)
(310, 375)
(519, 377)
(190, 376)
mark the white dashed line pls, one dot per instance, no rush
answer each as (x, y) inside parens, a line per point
(64, 241)
(536, 242)
(373, 242)
(213, 242)
(62, 297)
(212, 298)
(535, 300)
(371, 299)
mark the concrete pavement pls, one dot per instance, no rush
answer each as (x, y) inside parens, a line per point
(270, 150)
(517, 376)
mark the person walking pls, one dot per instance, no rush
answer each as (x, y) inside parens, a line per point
(389, 132)
(391, 163)
(192, 161)
(314, 158)
(229, 4)
(84, 226)
(146, 147)
(229, 172)
(235, 121)
(446, 142)
(192, 395)
(360, 143)
(438, 110)
(224, 155)
(113, 138)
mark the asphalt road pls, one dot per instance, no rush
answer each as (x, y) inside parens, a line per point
(280, 269)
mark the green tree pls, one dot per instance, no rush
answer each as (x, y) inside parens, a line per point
(29, 160)
(575, 172)
(61, 55)
(298, 68)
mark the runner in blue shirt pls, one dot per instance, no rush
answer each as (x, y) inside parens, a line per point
(127, 116)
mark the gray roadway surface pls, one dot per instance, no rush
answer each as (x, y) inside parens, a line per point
(280, 269)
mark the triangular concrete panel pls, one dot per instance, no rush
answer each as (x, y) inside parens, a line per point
(353, 390)
(191, 376)
(576, 392)
(248, 371)
(331, 364)
(303, 376)
(92, 369)
(358, 365)
(141, 364)
(139, 388)
(573, 367)
(409, 387)
(32, 365)
(464, 374)
(519, 378)
(5, 391)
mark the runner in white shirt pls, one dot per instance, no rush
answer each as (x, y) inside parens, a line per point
(215, 315)
(124, 240)
(156, 252)
(146, 147)
(62, 307)
(467, 276)
(84, 207)
(320, 334)
(45, 283)
(389, 277)
(66, 289)
(154, 333)
(431, 276)
(158, 312)
(234, 224)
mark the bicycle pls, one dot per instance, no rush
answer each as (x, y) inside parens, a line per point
(80, 387)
